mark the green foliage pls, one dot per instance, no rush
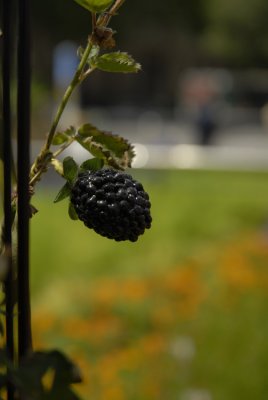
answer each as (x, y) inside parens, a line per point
(29, 378)
(92, 165)
(70, 169)
(63, 193)
(69, 172)
(112, 149)
(116, 62)
(63, 137)
(236, 30)
(59, 138)
(50, 375)
(198, 214)
(194, 209)
(95, 6)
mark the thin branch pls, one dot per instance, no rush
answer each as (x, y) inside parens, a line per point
(94, 21)
(106, 17)
(67, 95)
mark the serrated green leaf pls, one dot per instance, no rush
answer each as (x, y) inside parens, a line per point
(116, 62)
(70, 169)
(115, 143)
(72, 213)
(113, 149)
(59, 138)
(95, 6)
(64, 192)
(92, 165)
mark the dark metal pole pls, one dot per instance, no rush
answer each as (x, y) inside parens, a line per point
(7, 159)
(24, 88)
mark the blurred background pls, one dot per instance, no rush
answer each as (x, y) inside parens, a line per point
(182, 313)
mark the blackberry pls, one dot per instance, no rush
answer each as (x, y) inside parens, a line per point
(112, 203)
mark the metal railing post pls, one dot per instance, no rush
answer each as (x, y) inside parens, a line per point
(23, 165)
(7, 60)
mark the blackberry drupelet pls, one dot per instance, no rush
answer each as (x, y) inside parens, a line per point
(112, 203)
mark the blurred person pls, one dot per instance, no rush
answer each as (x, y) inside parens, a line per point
(206, 123)
(200, 91)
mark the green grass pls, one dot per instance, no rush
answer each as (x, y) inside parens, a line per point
(192, 211)
(120, 309)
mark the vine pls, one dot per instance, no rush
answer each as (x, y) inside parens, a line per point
(127, 214)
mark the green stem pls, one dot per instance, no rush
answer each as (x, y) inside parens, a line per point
(79, 72)
(41, 162)
(35, 178)
(44, 157)
(74, 83)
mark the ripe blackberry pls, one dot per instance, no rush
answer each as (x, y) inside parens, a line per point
(112, 203)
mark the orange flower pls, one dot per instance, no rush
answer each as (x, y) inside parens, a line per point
(93, 329)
